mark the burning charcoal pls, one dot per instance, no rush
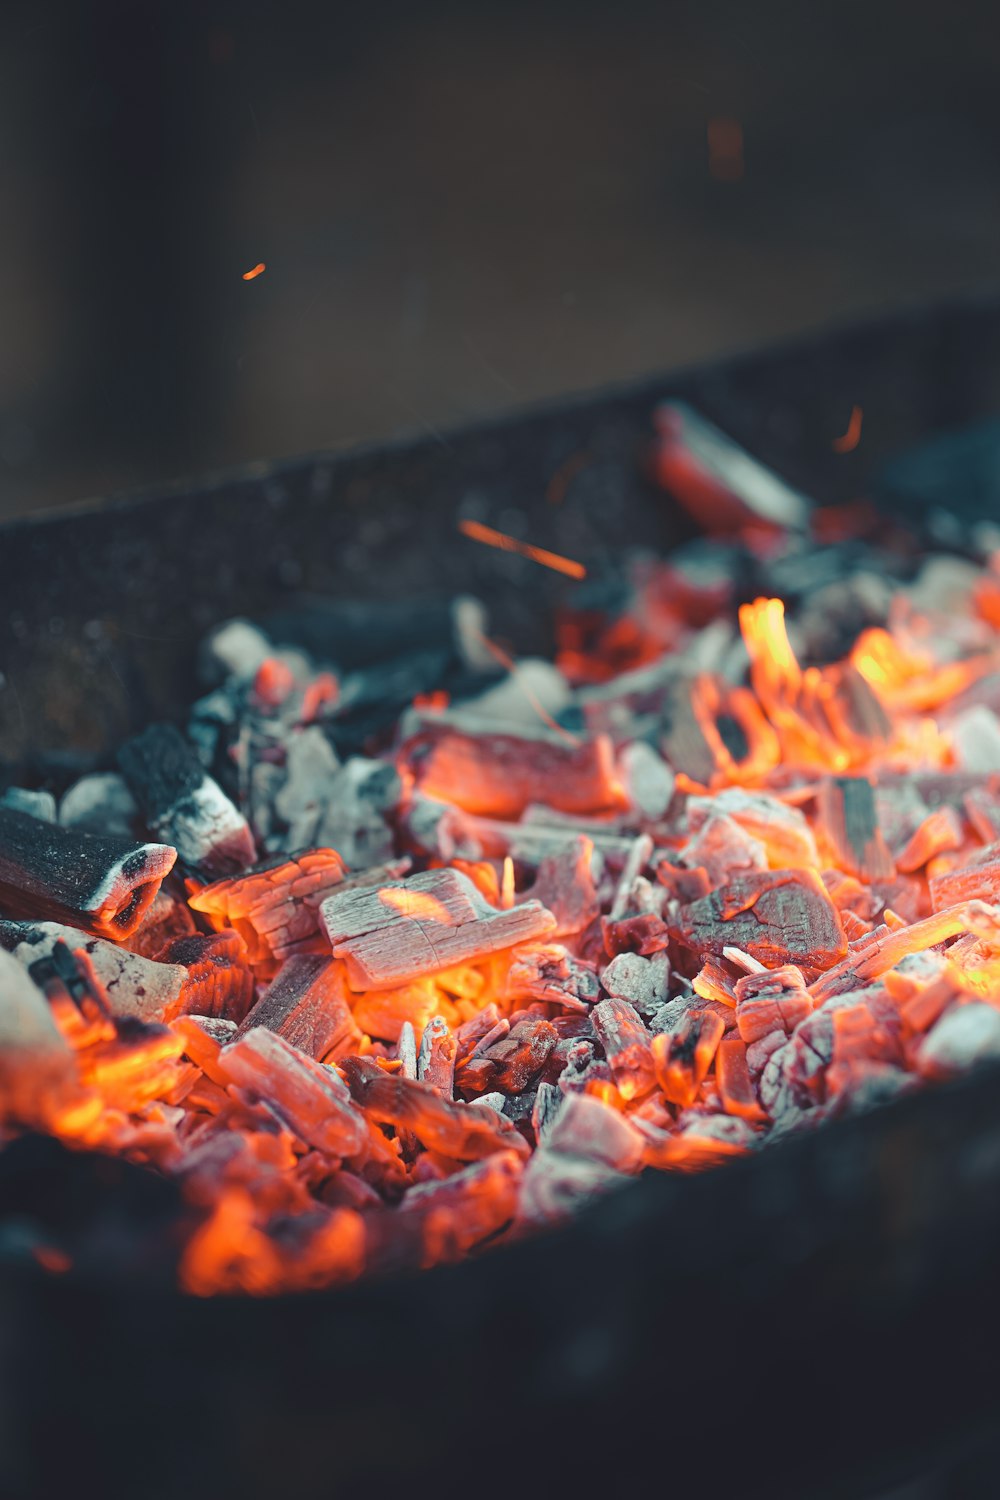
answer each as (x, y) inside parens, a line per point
(549, 972)
(723, 850)
(420, 926)
(975, 740)
(735, 1084)
(100, 803)
(709, 726)
(775, 1000)
(565, 886)
(460, 1131)
(311, 769)
(776, 916)
(716, 480)
(102, 885)
(309, 1098)
(781, 829)
(643, 982)
(514, 1061)
(554, 1186)
(939, 832)
(307, 1005)
(547, 1104)
(585, 1127)
(436, 1060)
(275, 907)
(647, 780)
(219, 981)
(168, 917)
(847, 808)
(499, 774)
(37, 1072)
(626, 1043)
(635, 863)
(982, 807)
(965, 1034)
(362, 795)
(180, 802)
(35, 804)
(978, 880)
(462, 1210)
(683, 1055)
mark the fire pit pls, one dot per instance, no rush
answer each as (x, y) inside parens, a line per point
(853, 1256)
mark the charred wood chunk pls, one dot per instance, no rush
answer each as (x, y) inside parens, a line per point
(310, 1099)
(777, 916)
(180, 802)
(102, 885)
(548, 972)
(736, 1087)
(643, 982)
(783, 830)
(775, 1000)
(219, 980)
(586, 1127)
(626, 1042)
(513, 1062)
(169, 917)
(850, 819)
(498, 775)
(459, 1212)
(422, 925)
(436, 1058)
(275, 907)
(565, 886)
(645, 934)
(307, 1005)
(978, 880)
(461, 1131)
(556, 1185)
(37, 1071)
(134, 986)
(683, 1055)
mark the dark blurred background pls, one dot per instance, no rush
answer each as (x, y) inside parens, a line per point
(461, 207)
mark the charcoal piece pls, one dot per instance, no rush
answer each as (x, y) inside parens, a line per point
(781, 828)
(180, 801)
(555, 1186)
(643, 982)
(311, 1099)
(531, 691)
(514, 1061)
(586, 1127)
(436, 1058)
(219, 981)
(370, 701)
(735, 1084)
(635, 862)
(965, 1034)
(723, 850)
(775, 1000)
(850, 820)
(682, 739)
(311, 767)
(626, 1042)
(548, 972)
(100, 803)
(102, 885)
(777, 916)
(306, 1004)
(647, 779)
(683, 1055)
(422, 925)
(941, 831)
(36, 804)
(548, 1101)
(565, 886)
(169, 917)
(461, 1211)
(362, 795)
(37, 1073)
(236, 648)
(498, 775)
(979, 879)
(134, 986)
(458, 1130)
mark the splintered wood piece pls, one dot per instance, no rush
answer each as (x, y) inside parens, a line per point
(498, 775)
(182, 804)
(461, 1131)
(436, 1059)
(881, 949)
(311, 1100)
(513, 1061)
(135, 986)
(735, 1084)
(683, 1055)
(219, 981)
(775, 1000)
(626, 1042)
(777, 916)
(564, 885)
(275, 907)
(421, 926)
(307, 1005)
(850, 819)
(99, 884)
(548, 972)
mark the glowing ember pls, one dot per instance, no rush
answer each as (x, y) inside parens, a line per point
(254, 271)
(850, 439)
(727, 870)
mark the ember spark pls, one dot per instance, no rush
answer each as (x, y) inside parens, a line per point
(380, 968)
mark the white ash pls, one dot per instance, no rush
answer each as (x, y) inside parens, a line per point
(943, 586)
(586, 1127)
(234, 649)
(964, 1035)
(555, 1186)
(406, 1050)
(548, 1102)
(135, 986)
(100, 803)
(363, 793)
(311, 766)
(974, 736)
(729, 1129)
(494, 1101)
(470, 628)
(644, 982)
(36, 804)
(514, 703)
(647, 779)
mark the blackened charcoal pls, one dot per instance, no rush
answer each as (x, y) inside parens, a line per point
(178, 800)
(101, 803)
(103, 885)
(307, 1005)
(37, 804)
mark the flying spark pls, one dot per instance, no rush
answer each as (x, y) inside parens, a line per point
(491, 538)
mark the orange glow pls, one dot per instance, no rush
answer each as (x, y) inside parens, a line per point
(256, 271)
(416, 904)
(725, 149)
(490, 538)
(850, 439)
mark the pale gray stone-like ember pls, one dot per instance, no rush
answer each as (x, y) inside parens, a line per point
(406, 1051)
(965, 1034)
(620, 1030)
(975, 739)
(181, 803)
(555, 1186)
(36, 1063)
(586, 1127)
(777, 916)
(102, 885)
(849, 816)
(436, 1059)
(100, 803)
(36, 804)
(565, 886)
(532, 689)
(648, 781)
(547, 1103)
(643, 982)
(458, 1130)
(311, 767)
(548, 972)
(363, 793)
(311, 1099)
(306, 1003)
(420, 926)
(494, 1101)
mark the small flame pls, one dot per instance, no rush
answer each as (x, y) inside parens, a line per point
(849, 440)
(416, 904)
(486, 534)
(256, 271)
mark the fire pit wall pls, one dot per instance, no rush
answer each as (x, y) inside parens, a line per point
(816, 1319)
